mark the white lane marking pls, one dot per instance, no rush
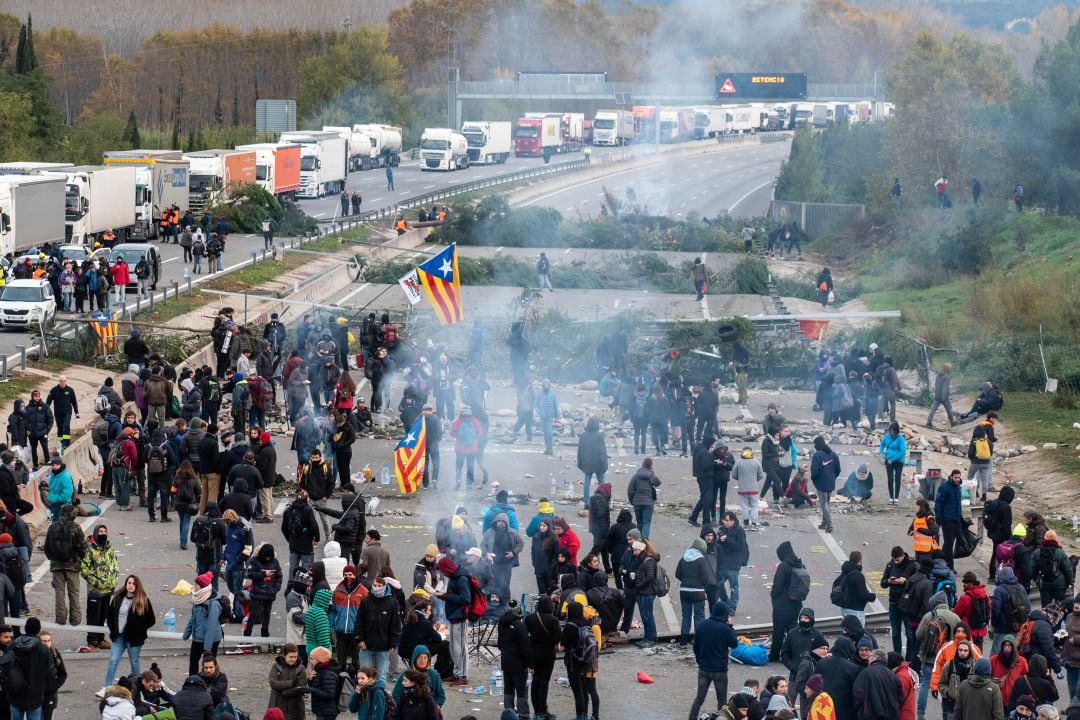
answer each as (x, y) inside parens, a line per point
(170, 260)
(377, 199)
(669, 613)
(567, 250)
(360, 289)
(428, 187)
(705, 298)
(750, 192)
(840, 555)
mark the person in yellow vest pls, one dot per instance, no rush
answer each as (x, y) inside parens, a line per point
(174, 224)
(400, 225)
(442, 214)
(923, 530)
(163, 226)
(108, 238)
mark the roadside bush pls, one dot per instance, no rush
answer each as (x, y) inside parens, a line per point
(248, 207)
(751, 277)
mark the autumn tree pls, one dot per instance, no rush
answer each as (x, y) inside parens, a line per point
(942, 92)
(802, 175)
(93, 134)
(16, 127)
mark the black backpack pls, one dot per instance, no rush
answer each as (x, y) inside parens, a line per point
(13, 567)
(990, 516)
(58, 545)
(157, 460)
(798, 584)
(293, 523)
(99, 433)
(1017, 606)
(838, 592)
(213, 390)
(980, 612)
(12, 674)
(202, 534)
(1048, 567)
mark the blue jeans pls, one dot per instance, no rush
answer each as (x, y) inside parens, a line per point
(732, 579)
(185, 523)
(859, 614)
(643, 514)
(691, 609)
(235, 580)
(378, 659)
(119, 645)
(17, 714)
(121, 486)
(924, 687)
(196, 264)
(547, 426)
(1072, 675)
(588, 481)
(645, 607)
(54, 509)
(896, 624)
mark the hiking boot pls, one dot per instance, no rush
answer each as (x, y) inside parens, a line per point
(694, 522)
(153, 519)
(165, 518)
(104, 644)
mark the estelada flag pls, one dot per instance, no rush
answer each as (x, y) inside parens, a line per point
(439, 276)
(409, 457)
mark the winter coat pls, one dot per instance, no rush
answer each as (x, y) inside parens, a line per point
(840, 672)
(877, 693)
(287, 685)
(694, 572)
(39, 672)
(615, 542)
(591, 453)
(466, 447)
(569, 541)
(789, 562)
(351, 521)
(1042, 641)
(193, 702)
(39, 419)
(204, 623)
(999, 603)
(421, 633)
(373, 558)
(893, 449)
(303, 532)
(413, 707)
(258, 569)
(513, 642)
(600, 513)
(323, 688)
(824, 469)
(999, 515)
(748, 475)
(493, 511)
(904, 569)
(1070, 652)
(316, 623)
(369, 704)
(345, 606)
(798, 640)
(544, 547)
(641, 491)
(713, 640)
(1036, 682)
(435, 685)
(137, 625)
(907, 691)
(979, 699)
(965, 605)
(378, 624)
(1052, 556)
(499, 542)
(856, 594)
(1005, 676)
(733, 550)
(947, 505)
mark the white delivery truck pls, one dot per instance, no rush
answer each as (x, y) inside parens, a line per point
(739, 119)
(489, 142)
(323, 162)
(709, 121)
(98, 200)
(31, 211)
(613, 127)
(385, 143)
(161, 181)
(443, 149)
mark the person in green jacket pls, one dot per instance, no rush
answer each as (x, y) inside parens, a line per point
(421, 660)
(369, 699)
(317, 623)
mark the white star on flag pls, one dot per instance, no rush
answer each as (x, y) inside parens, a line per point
(446, 268)
(410, 438)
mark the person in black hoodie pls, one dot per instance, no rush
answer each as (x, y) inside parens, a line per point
(998, 523)
(39, 673)
(703, 469)
(694, 572)
(1041, 642)
(515, 648)
(798, 640)
(264, 572)
(544, 634)
(607, 601)
(785, 607)
(239, 500)
(545, 543)
(1037, 683)
(417, 629)
(734, 555)
(615, 543)
(839, 671)
(575, 670)
(193, 702)
(712, 644)
(855, 594)
(899, 568)
(806, 666)
(351, 522)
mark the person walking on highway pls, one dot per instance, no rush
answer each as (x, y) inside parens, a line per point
(543, 273)
(700, 277)
(949, 514)
(389, 178)
(824, 469)
(896, 191)
(64, 404)
(941, 397)
(641, 494)
(121, 276)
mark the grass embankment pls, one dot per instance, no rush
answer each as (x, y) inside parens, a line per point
(1038, 419)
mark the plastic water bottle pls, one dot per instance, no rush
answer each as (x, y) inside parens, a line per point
(493, 682)
(551, 487)
(385, 474)
(170, 620)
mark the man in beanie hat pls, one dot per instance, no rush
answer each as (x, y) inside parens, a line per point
(342, 614)
(501, 505)
(807, 665)
(458, 598)
(979, 698)
(1052, 567)
(973, 608)
(1025, 706)
(821, 705)
(877, 690)
(713, 640)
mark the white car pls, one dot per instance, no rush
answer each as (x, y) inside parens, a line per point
(25, 303)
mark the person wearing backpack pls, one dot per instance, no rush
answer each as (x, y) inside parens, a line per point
(1052, 569)
(973, 608)
(1036, 637)
(1009, 607)
(644, 580)
(961, 635)
(28, 678)
(1007, 666)
(695, 572)
(101, 570)
(65, 547)
(579, 651)
(997, 519)
(370, 701)
(458, 598)
(288, 683)
(981, 453)
(790, 587)
(160, 464)
(466, 431)
(301, 529)
(853, 595)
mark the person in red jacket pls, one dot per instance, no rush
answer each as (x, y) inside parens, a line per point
(121, 276)
(123, 470)
(567, 539)
(906, 676)
(973, 608)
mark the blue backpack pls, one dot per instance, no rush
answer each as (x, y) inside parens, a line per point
(92, 284)
(467, 432)
(949, 588)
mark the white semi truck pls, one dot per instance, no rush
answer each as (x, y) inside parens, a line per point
(31, 211)
(98, 200)
(161, 181)
(385, 143)
(613, 127)
(323, 162)
(443, 149)
(489, 142)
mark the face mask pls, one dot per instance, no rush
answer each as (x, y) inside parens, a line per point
(379, 591)
(805, 624)
(102, 539)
